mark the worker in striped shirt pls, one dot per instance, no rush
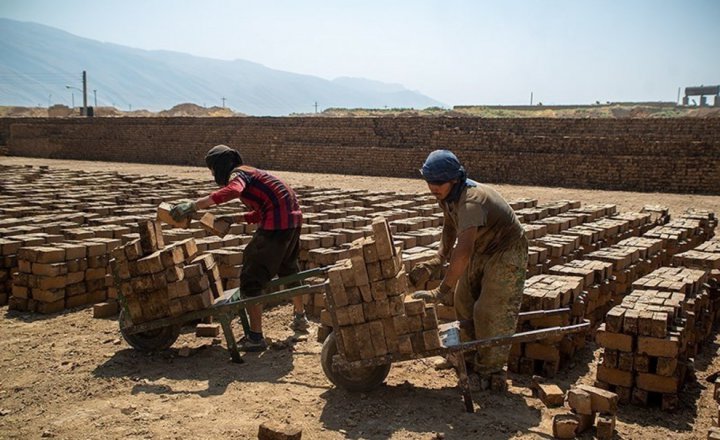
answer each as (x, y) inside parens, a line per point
(275, 245)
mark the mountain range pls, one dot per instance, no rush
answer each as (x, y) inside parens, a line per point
(40, 62)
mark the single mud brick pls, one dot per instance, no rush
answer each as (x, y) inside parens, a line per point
(670, 402)
(602, 400)
(48, 295)
(133, 250)
(378, 291)
(377, 334)
(383, 238)
(370, 252)
(365, 293)
(630, 322)
(163, 215)
(397, 285)
(359, 271)
(95, 273)
(353, 294)
(105, 309)
(667, 347)
(172, 256)
(645, 323)
(656, 383)
(336, 293)
(370, 311)
(614, 320)
(49, 269)
(356, 314)
(74, 251)
(374, 272)
(149, 264)
(41, 254)
(605, 426)
(197, 301)
(626, 361)
(189, 248)
(364, 341)
(639, 397)
(614, 341)
(414, 307)
(278, 431)
(565, 425)
(213, 225)
(198, 284)
(193, 271)
(666, 366)
(53, 307)
(20, 291)
(430, 320)
(391, 336)
(174, 274)
(659, 325)
(397, 305)
(206, 261)
(550, 394)
(349, 343)
(418, 343)
(580, 401)
(414, 323)
(389, 268)
(586, 421)
(401, 325)
(178, 289)
(405, 344)
(207, 330)
(431, 339)
(57, 282)
(151, 238)
(342, 315)
(641, 363)
(614, 376)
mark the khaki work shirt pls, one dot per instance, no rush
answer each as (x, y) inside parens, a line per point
(484, 208)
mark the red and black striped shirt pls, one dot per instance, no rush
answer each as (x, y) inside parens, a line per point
(272, 203)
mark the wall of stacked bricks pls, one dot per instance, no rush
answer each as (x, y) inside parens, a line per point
(670, 155)
(587, 258)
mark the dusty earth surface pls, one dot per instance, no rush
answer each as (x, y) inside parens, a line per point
(72, 376)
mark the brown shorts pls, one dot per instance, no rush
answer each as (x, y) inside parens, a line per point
(269, 253)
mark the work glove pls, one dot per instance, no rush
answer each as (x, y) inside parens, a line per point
(422, 272)
(183, 210)
(442, 294)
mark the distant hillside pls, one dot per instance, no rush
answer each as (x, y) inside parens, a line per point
(38, 62)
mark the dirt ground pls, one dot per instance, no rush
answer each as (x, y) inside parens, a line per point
(72, 376)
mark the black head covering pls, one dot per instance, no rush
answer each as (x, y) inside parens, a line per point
(222, 160)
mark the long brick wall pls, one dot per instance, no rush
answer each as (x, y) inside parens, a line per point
(666, 155)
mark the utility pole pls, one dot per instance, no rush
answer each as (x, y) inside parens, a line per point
(72, 95)
(84, 90)
(49, 99)
(223, 99)
(315, 106)
(678, 98)
(95, 96)
(531, 98)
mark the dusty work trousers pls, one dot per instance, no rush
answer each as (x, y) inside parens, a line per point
(490, 294)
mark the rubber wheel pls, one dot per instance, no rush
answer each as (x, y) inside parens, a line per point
(153, 340)
(360, 379)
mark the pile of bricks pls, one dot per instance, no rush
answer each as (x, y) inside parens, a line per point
(548, 292)
(596, 296)
(589, 406)
(366, 302)
(155, 280)
(62, 275)
(648, 339)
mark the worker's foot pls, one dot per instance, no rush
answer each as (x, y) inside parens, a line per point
(300, 322)
(252, 344)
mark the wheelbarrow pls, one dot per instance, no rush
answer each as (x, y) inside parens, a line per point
(160, 334)
(367, 374)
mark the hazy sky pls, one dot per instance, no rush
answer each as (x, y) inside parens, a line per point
(459, 52)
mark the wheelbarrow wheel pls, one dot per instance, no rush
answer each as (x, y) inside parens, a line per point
(152, 340)
(359, 379)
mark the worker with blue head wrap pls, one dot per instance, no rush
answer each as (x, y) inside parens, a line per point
(487, 251)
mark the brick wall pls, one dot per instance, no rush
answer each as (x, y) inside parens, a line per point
(668, 155)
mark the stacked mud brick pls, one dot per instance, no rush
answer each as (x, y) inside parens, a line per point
(366, 302)
(589, 406)
(158, 281)
(595, 299)
(62, 275)
(648, 339)
(706, 257)
(548, 292)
